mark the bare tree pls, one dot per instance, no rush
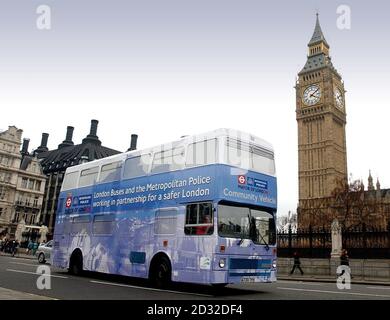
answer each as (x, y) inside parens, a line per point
(284, 222)
(349, 203)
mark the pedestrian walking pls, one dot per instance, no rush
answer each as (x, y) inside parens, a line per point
(34, 248)
(344, 261)
(297, 263)
(7, 246)
(29, 247)
(2, 241)
(14, 247)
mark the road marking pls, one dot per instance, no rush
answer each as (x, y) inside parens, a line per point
(338, 292)
(380, 288)
(25, 264)
(150, 289)
(23, 259)
(301, 282)
(36, 274)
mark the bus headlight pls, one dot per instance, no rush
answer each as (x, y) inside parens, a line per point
(222, 263)
(274, 264)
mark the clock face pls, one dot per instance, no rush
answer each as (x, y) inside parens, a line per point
(312, 95)
(338, 96)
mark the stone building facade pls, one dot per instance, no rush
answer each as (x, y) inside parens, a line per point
(29, 188)
(10, 157)
(22, 182)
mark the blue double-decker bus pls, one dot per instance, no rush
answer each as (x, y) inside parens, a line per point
(201, 209)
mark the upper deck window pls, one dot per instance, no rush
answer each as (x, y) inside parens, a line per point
(136, 166)
(263, 161)
(168, 160)
(250, 157)
(111, 172)
(70, 180)
(201, 153)
(88, 176)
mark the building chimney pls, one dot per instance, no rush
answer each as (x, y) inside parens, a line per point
(92, 137)
(94, 125)
(24, 151)
(69, 133)
(43, 147)
(45, 137)
(133, 142)
(68, 139)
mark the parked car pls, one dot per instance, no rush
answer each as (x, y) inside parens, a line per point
(44, 252)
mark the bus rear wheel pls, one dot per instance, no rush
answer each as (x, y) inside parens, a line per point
(161, 272)
(76, 263)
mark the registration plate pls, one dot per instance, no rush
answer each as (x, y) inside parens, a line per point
(249, 279)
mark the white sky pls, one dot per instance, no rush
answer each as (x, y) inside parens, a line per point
(190, 67)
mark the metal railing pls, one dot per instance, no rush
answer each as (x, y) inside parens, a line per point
(361, 243)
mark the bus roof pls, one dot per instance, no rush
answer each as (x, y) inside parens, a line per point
(222, 132)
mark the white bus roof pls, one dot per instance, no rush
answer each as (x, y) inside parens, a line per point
(223, 132)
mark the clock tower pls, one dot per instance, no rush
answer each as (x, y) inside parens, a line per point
(321, 118)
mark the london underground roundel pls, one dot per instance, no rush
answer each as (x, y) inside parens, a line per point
(241, 179)
(68, 202)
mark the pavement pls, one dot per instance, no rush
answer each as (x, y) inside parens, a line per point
(330, 279)
(7, 294)
(20, 255)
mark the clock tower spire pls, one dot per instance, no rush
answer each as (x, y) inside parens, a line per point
(321, 119)
(318, 38)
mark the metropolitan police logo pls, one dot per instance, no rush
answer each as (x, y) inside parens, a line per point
(76, 201)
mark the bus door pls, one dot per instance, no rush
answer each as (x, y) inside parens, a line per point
(198, 242)
(165, 225)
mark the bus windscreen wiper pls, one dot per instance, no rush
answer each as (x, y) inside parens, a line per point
(255, 233)
(264, 242)
(239, 243)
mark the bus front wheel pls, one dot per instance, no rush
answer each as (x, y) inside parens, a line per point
(41, 258)
(161, 271)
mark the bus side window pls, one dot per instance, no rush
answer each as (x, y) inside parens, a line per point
(103, 224)
(199, 219)
(136, 166)
(88, 177)
(165, 222)
(168, 160)
(70, 181)
(67, 225)
(201, 153)
(80, 224)
(111, 172)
